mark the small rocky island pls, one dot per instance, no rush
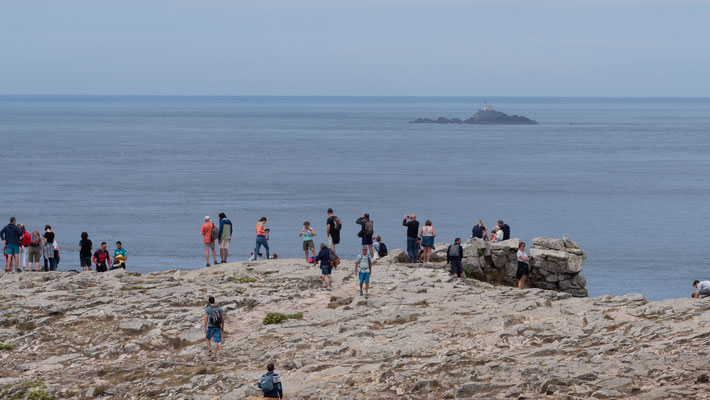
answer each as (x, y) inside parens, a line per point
(485, 116)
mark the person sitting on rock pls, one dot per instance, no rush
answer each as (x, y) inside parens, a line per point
(703, 289)
(270, 384)
(379, 247)
(418, 249)
(454, 256)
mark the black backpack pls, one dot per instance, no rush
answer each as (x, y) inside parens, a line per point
(215, 317)
(383, 250)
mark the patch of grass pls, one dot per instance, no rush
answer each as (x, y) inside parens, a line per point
(243, 279)
(25, 326)
(136, 287)
(481, 252)
(33, 390)
(277, 318)
(175, 342)
(5, 347)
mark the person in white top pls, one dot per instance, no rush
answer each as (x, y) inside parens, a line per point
(703, 289)
(523, 266)
(427, 233)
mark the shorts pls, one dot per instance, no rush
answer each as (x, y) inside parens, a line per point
(326, 269)
(224, 244)
(215, 334)
(364, 277)
(101, 267)
(34, 253)
(428, 241)
(456, 267)
(209, 245)
(13, 249)
(522, 270)
(367, 239)
(308, 244)
(85, 262)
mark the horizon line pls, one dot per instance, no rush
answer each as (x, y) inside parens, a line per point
(350, 96)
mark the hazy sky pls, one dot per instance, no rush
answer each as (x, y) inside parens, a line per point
(358, 47)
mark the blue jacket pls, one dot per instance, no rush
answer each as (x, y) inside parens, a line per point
(222, 223)
(324, 257)
(11, 234)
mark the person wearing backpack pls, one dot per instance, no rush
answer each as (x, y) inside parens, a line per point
(380, 248)
(11, 235)
(363, 263)
(225, 236)
(333, 227)
(270, 384)
(208, 238)
(85, 249)
(214, 325)
(325, 266)
(454, 256)
(366, 232)
(34, 250)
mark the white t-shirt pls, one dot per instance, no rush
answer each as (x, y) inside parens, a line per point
(520, 256)
(704, 285)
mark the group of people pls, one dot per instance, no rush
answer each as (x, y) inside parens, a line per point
(24, 249)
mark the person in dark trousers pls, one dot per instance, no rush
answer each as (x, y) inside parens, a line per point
(225, 236)
(325, 267)
(270, 384)
(11, 235)
(366, 232)
(454, 256)
(262, 237)
(410, 221)
(332, 229)
(102, 258)
(505, 228)
(50, 261)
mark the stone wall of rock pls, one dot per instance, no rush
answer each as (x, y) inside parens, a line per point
(555, 264)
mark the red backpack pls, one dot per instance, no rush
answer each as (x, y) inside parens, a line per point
(35, 239)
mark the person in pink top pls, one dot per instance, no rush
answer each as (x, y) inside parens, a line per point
(208, 240)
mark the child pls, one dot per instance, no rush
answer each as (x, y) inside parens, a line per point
(307, 234)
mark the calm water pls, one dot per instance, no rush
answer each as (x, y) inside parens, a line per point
(625, 178)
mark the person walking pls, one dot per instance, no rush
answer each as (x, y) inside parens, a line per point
(479, 230)
(225, 236)
(102, 258)
(24, 243)
(270, 384)
(34, 251)
(85, 250)
(366, 231)
(262, 237)
(454, 256)
(325, 264)
(208, 240)
(427, 233)
(120, 255)
(333, 227)
(11, 235)
(363, 265)
(214, 326)
(50, 263)
(505, 228)
(410, 221)
(307, 233)
(523, 266)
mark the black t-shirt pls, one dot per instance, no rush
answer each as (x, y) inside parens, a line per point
(412, 228)
(85, 248)
(334, 233)
(478, 230)
(49, 236)
(506, 231)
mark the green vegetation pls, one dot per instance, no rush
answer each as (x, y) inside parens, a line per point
(137, 287)
(243, 279)
(481, 252)
(5, 347)
(277, 318)
(33, 391)
(25, 326)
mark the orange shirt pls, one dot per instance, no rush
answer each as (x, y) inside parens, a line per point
(206, 231)
(260, 230)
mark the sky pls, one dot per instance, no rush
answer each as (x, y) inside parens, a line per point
(619, 48)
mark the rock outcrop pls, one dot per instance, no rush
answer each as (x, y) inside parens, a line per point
(555, 264)
(421, 335)
(481, 117)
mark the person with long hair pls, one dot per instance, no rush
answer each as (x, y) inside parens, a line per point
(427, 233)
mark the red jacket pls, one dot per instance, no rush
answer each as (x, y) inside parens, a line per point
(25, 241)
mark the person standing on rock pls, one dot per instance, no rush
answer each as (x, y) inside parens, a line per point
(454, 256)
(262, 237)
(208, 240)
(703, 289)
(214, 325)
(333, 226)
(102, 258)
(11, 235)
(479, 230)
(24, 242)
(410, 221)
(523, 266)
(366, 232)
(505, 228)
(85, 249)
(50, 262)
(270, 384)
(307, 234)
(225, 236)
(427, 234)
(34, 251)
(325, 267)
(363, 263)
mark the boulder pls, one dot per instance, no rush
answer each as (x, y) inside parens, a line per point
(395, 256)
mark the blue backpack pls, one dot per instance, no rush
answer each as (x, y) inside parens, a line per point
(266, 383)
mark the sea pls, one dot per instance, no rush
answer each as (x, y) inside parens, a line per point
(628, 179)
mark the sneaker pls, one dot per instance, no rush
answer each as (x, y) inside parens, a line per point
(367, 296)
(360, 292)
(207, 265)
(327, 288)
